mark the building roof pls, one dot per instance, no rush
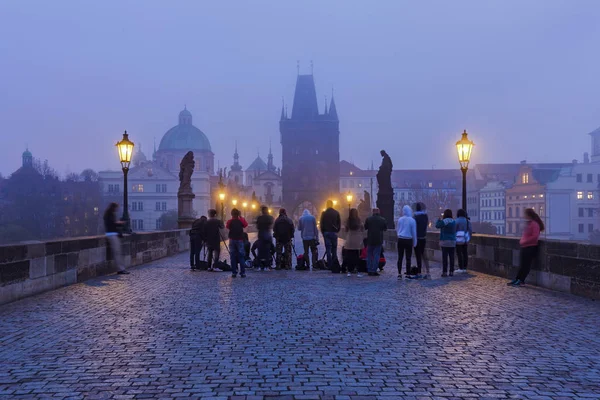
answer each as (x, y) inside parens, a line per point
(184, 136)
(257, 165)
(305, 99)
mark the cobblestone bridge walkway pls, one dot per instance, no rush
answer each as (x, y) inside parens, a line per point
(165, 332)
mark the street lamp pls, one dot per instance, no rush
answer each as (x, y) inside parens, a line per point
(464, 147)
(349, 199)
(234, 202)
(222, 198)
(244, 205)
(125, 148)
(334, 203)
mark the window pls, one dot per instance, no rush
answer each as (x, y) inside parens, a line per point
(158, 224)
(137, 188)
(430, 184)
(517, 212)
(164, 206)
(579, 178)
(113, 188)
(590, 178)
(163, 187)
(158, 188)
(510, 212)
(344, 184)
(590, 196)
(590, 228)
(137, 224)
(495, 202)
(541, 211)
(579, 195)
(580, 228)
(351, 184)
(157, 207)
(580, 212)
(525, 178)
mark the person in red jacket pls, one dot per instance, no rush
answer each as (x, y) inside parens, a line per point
(529, 245)
(236, 226)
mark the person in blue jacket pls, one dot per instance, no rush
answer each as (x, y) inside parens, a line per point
(447, 227)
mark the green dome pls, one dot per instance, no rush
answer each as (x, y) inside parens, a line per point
(184, 136)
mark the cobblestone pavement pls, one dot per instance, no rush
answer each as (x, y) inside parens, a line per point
(166, 332)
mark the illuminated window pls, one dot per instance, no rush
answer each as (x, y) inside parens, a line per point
(541, 211)
(590, 195)
(430, 184)
(541, 196)
(138, 188)
(579, 195)
(351, 173)
(525, 178)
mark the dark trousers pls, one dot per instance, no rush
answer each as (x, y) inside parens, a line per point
(331, 242)
(214, 252)
(528, 254)
(463, 255)
(447, 256)
(195, 249)
(420, 253)
(283, 254)
(405, 246)
(312, 245)
(351, 259)
(264, 249)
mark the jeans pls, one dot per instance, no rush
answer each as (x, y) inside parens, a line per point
(463, 255)
(447, 255)
(115, 247)
(236, 253)
(312, 245)
(405, 246)
(373, 255)
(528, 254)
(214, 252)
(264, 248)
(331, 242)
(421, 256)
(195, 249)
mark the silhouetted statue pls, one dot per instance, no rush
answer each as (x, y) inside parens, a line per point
(186, 169)
(367, 199)
(385, 194)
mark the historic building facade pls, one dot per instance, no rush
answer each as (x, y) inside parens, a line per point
(310, 169)
(153, 184)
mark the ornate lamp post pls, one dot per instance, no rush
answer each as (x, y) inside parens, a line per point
(222, 198)
(349, 200)
(464, 147)
(125, 148)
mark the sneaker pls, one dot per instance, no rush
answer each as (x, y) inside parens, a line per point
(359, 275)
(217, 270)
(460, 271)
(123, 272)
(234, 275)
(518, 283)
(444, 275)
(512, 282)
(210, 269)
(348, 274)
(192, 268)
(243, 275)
(411, 276)
(419, 276)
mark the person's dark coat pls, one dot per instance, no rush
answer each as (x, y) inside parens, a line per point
(283, 230)
(422, 224)
(330, 221)
(212, 231)
(197, 231)
(375, 225)
(264, 223)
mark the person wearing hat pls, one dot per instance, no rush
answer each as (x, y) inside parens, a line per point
(283, 231)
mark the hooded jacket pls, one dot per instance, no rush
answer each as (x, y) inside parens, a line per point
(407, 226)
(422, 220)
(307, 225)
(447, 227)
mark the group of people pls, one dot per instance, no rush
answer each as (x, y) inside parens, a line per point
(363, 245)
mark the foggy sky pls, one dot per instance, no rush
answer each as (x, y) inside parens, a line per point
(521, 76)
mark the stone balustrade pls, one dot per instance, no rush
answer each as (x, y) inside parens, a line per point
(28, 269)
(570, 267)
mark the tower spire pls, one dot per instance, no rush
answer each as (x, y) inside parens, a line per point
(332, 108)
(270, 166)
(325, 104)
(282, 109)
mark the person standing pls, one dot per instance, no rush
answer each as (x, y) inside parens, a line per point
(283, 231)
(447, 227)
(407, 240)
(463, 236)
(212, 234)
(529, 245)
(236, 226)
(264, 225)
(375, 226)
(307, 225)
(331, 224)
(196, 242)
(422, 221)
(355, 233)
(112, 228)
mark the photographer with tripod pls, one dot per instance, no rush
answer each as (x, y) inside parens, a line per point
(212, 231)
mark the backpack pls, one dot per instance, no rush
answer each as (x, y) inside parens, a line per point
(336, 267)
(300, 264)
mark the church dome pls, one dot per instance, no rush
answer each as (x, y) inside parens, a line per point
(138, 156)
(184, 136)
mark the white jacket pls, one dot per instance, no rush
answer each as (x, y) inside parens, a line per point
(407, 226)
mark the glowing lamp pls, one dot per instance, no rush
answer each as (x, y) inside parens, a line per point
(464, 147)
(125, 148)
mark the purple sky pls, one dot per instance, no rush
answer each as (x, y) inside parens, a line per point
(523, 77)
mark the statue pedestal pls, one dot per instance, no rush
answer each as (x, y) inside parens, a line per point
(185, 211)
(385, 203)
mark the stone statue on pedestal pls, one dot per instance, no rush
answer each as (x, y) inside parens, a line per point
(364, 207)
(385, 194)
(185, 196)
